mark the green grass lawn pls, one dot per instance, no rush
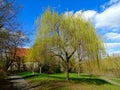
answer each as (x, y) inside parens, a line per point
(58, 82)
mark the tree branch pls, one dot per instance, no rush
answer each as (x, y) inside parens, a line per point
(71, 54)
(57, 55)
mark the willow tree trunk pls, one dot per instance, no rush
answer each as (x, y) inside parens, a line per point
(79, 70)
(33, 68)
(67, 71)
(40, 70)
(79, 67)
(19, 64)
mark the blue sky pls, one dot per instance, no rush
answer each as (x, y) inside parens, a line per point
(104, 14)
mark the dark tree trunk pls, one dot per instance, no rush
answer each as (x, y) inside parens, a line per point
(24, 65)
(8, 64)
(67, 71)
(67, 64)
(18, 61)
(79, 70)
(67, 67)
(66, 61)
(79, 67)
(19, 69)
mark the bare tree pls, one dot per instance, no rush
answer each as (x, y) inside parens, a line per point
(11, 38)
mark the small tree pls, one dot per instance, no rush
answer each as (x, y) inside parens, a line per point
(37, 54)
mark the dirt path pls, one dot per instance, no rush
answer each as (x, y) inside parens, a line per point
(19, 83)
(110, 81)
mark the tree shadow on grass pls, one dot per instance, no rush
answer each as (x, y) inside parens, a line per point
(30, 76)
(60, 82)
(96, 81)
(83, 79)
(89, 80)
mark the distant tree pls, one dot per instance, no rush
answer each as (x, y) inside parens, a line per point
(63, 34)
(34, 57)
(38, 54)
(111, 65)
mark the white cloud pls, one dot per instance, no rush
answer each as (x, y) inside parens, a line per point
(109, 18)
(66, 14)
(112, 45)
(111, 48)
(27, 47)
(115, 29)
(107, 4)
(90, 14)
(112, 36)
(113, 2)
(78, 13)
(87, 15)
(114, 52)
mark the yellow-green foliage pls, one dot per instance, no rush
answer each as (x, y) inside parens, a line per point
(60, 34)
(69, 28)
(111, 66)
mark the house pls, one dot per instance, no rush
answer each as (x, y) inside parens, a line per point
(19, 63)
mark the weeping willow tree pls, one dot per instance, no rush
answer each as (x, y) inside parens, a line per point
(63, 35)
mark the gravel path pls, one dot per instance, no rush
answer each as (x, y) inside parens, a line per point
(19, 83)
(111, 81)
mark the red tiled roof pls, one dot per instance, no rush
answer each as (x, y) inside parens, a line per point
(21, 52)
